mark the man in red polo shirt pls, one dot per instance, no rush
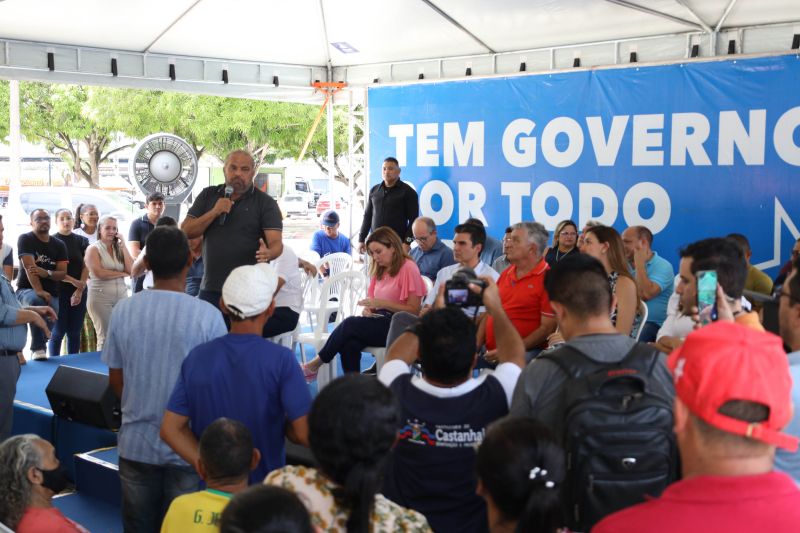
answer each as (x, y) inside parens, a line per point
(733, 398)
(522, 291)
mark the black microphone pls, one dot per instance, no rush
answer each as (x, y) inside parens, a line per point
(228, 193)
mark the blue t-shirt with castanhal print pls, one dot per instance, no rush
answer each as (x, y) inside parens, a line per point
(432, 467)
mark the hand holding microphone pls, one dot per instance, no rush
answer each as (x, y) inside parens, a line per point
(225, 204)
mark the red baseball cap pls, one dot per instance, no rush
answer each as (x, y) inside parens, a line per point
(725, 361)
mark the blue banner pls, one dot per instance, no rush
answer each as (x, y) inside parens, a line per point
(690, 150)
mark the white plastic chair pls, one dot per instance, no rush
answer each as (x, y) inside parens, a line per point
(349, 287)
(338, 262)
(641, 315)
(428, 285)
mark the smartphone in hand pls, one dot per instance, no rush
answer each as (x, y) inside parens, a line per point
(707, 296)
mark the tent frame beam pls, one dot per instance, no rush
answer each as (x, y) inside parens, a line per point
(26, 60)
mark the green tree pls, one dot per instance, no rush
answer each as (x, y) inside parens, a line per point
(216, 125)
(139, 113)
(64, 118)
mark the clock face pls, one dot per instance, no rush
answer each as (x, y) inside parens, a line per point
(165, 163)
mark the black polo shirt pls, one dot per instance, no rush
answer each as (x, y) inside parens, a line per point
(140, 229)
(396, 207)
(234, 244)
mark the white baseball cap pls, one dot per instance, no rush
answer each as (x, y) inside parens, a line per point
(249, 289)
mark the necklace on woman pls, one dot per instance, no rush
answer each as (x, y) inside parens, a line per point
(560, 256)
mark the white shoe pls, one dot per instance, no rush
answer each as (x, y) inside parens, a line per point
(39, 355)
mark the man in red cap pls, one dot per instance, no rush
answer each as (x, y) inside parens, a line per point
(732, 400)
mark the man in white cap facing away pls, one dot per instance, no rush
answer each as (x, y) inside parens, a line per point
(241, 376)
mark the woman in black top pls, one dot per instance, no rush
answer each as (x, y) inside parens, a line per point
(565, 241)
(72, 303)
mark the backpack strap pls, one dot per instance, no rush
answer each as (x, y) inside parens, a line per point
(574, 363)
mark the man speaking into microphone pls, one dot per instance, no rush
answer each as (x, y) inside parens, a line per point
(232, 218)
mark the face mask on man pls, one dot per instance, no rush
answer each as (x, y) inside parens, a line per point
(55, 479)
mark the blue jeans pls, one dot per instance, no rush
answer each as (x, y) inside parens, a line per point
(353, 335)
(649, 332)
(28, 297)
(9, 374)
(69, 323)
(147, 491)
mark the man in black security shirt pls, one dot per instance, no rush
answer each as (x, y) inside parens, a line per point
(391, 203)
(43, 263)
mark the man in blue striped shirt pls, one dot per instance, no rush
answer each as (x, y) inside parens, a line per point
(13, 334)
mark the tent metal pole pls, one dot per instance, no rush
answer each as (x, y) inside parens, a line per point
(160, 35)
(15, 174)
(695, 16)
(457, 24)
(331, 153)
(643, 9)
(724, 15)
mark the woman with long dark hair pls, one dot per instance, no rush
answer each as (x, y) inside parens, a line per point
(605, 244)
(109, 264)
(72, 303)
(352, 428)
(520, 468)
(395, 285)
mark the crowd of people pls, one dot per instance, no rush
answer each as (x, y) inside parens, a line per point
(537, 386)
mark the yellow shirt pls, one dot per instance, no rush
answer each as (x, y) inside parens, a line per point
(198, 512)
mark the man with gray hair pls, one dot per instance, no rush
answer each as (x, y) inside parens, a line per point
(522, 290)
(431, 255)
(31, 475)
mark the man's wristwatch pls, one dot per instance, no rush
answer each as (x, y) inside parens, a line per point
(49, 273)
(409, 240)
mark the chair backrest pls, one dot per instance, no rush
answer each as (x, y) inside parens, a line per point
(428, 284)
(336, 263)
(348, 288)
(639, 320)
(309, 286)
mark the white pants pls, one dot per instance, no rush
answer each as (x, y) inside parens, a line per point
(103, 296)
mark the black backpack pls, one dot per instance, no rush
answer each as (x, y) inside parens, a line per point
(617, 433)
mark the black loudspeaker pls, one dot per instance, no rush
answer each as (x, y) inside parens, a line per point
(83, 396)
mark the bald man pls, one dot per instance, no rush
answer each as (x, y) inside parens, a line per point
(232, 225)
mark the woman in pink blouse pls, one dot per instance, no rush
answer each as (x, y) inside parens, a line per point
(395, 285)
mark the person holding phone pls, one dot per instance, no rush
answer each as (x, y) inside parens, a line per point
(703, 260)
(109, 263)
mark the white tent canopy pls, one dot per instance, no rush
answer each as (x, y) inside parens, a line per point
(275, 50)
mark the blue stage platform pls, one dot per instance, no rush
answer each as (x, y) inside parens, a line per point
(32, 412)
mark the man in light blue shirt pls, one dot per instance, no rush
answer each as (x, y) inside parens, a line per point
(654, 276)
(150, 334)
(431, 255)
(789, 324)
(13, 334)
